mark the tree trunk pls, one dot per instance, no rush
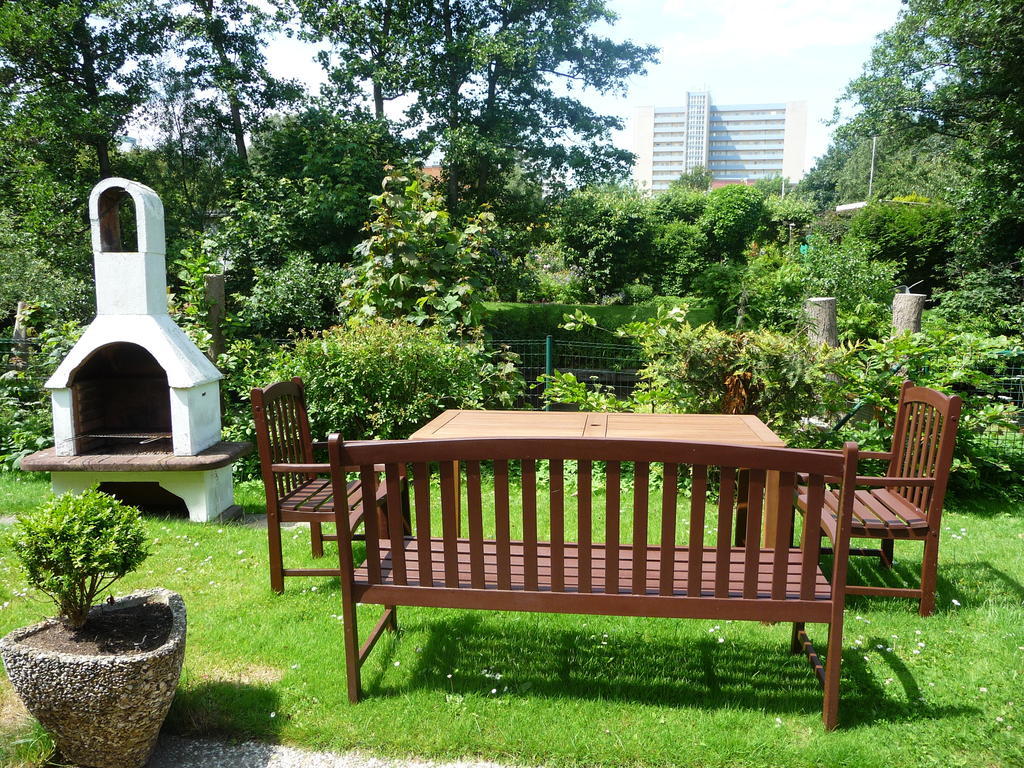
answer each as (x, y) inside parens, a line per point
(237, 129)
(84, 40)
(378, 101)
(452, 191)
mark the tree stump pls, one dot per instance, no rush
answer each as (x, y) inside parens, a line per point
(821, 317)
(906, 312)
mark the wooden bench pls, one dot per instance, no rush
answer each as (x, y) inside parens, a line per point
(616, 559)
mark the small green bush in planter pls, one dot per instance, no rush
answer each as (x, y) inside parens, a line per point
(76, 545)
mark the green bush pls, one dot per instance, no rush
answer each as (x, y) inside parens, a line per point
(679, 203)
(300, 295)
(75, 546)
(682, 250)
(733, 215)
(375, 379)
(608, 235)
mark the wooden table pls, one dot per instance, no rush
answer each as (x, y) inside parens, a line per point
(709, 428)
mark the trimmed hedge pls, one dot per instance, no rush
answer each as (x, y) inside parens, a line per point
(511, 320)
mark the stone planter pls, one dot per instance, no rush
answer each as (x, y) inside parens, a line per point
(102, 711)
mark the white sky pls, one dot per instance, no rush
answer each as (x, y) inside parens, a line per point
(742, 51)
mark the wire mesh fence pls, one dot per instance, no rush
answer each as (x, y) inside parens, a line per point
(15, 355)
(1009, 390)
(611, 365)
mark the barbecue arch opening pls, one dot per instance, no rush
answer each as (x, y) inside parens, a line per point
(121, 402)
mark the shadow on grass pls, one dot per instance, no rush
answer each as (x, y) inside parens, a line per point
(466, 654)
(234, 710)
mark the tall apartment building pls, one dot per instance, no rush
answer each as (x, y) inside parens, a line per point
(737, 143)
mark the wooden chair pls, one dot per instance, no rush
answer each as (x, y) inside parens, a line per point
(907, 502)
(297, 488)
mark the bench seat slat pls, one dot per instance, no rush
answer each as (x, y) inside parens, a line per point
(520, 569)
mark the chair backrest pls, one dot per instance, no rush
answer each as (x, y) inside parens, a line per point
(649, 527)
(282, 434)
(922, 445)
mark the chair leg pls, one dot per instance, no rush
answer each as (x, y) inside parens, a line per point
(833, 667)
(276, 560)
(351, 631)
(885, 557)
(929, 565)
(316, 534)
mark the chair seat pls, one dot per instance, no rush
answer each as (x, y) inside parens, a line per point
(313, 502)
(878, 513)
(598, 566)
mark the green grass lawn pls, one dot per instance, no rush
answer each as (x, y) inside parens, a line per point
(580, 690)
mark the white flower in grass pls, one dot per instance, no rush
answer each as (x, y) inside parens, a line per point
(398, 663)
(240, 552)
(999, 719)
(721, 639)
(273, 714)
(778, 722)
(983, 689)
(955, 602)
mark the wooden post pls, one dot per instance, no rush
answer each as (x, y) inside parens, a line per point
(821, 316)
(906, 312)
(215, 313)
(21, 349)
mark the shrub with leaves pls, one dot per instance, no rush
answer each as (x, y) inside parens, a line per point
(75, 546)
(416, 265)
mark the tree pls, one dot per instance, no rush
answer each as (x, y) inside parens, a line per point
(698, 178)
(372, 42)
(733, 215)
(78, 69)
(496, 85)
(956, 71)
(222, 44)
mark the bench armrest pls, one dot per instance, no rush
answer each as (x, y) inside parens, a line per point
(886, 455)
(320, 469)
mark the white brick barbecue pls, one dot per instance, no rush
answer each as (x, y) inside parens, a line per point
(135, 390)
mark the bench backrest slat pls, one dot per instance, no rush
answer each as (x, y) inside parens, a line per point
(585, 527)
(669, 493)
(612, 519)
(421, 505)
(368, 485)
(811, 541)
(474, 508)
(609, 560)
(752, 550)
(529, 483)
(396, 524)
(501, 524)
(556, 503)
(698, 506)
(449, 523)
(783, 505)
(723, 540)
(641, 502)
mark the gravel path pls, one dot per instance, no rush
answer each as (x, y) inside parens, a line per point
(174, 752)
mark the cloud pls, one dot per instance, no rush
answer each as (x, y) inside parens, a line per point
(779, 27)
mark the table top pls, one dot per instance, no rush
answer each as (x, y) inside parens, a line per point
(708, 428)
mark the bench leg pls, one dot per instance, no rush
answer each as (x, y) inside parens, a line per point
(317, 536)
(351, 631)
(830, 703)
(392, 617)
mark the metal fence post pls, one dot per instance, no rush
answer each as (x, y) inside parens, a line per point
(549, 364)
